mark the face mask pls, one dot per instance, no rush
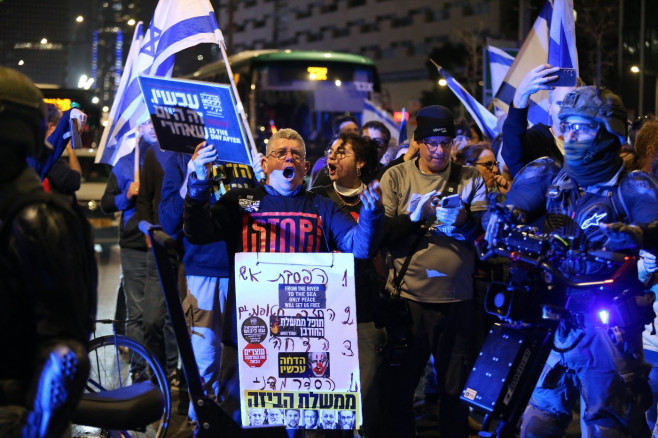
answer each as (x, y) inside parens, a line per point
(575, 152)
(592, 162)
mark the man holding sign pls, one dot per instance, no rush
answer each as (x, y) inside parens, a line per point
(279, 216)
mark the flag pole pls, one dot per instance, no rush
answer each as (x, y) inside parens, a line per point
(238, 103)
(136, 157)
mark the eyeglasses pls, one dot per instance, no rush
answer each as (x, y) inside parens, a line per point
(281, 154)
(432, 145)
(489, 165)
(578, 128)
(338, 154)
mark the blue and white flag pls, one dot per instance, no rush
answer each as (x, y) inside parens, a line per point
(120, 149)
(176, 25)
(552, 40)
(484, 119)
(562, 44)
(403, 128)
(499, 64)
(373, 112)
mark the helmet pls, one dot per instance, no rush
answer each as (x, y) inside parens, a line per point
(599, 104)
(22, 112)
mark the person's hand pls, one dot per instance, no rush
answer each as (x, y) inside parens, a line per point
(451, 216)
(133, 190)
(502, 184)
(649, 261)
(621, 236)
(257, 159)
(411, 151)
(371, 196)
(536, 80)
(424, 207)
(203, 157)
(493, 227)
(80, 116)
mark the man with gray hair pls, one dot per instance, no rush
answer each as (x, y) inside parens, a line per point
(278, 216)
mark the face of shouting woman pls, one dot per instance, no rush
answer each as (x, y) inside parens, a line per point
(342, 165)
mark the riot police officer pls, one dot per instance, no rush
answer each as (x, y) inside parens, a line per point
(576, 201)
(48, 278)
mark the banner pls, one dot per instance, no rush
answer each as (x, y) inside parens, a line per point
(297, 341)
(185, 113)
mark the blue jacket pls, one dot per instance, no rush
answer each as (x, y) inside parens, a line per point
(521, 144)
(208, 260)
(115, 199)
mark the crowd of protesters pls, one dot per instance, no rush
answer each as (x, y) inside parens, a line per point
(410, 214)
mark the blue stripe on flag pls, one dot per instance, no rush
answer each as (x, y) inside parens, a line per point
(537, 114)
(181, 30)
(506, 93)
(495, 58)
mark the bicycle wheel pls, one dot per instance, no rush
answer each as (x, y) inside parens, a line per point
(116, 362)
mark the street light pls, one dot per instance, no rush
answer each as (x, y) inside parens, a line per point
(635, 69)
(80, 19)
(443, 82)
(131, 22)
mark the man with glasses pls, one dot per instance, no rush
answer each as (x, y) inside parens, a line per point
(278, 216)
(431, 251)
(521, 144)
(591, 190)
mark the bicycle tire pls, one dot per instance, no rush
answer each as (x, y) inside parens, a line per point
(118, 361)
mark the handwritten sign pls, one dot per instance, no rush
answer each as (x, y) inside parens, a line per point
(297, 340)
(185, 113)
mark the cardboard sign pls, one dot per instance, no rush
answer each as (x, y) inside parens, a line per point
(185, 113)
(297, 341)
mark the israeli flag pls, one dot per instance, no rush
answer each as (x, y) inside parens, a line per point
(375, 112)
(499, 64)
(484, 119)
(176, 25)
(552, 40)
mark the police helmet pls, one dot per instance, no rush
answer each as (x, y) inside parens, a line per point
(599, 104)
(22, 112)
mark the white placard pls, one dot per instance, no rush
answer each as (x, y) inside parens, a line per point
(297, 341)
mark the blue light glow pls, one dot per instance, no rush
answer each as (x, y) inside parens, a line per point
(604, 316)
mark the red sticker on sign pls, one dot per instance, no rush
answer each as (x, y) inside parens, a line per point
(254, 355)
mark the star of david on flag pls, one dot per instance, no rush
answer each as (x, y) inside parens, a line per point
(552, 40)
(176, 25)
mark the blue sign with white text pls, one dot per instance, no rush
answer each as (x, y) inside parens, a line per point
(185, 113)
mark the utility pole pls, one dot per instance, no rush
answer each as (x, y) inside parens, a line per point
(524, 19)
(640, 109)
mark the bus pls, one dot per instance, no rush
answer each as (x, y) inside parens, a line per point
(298, 89)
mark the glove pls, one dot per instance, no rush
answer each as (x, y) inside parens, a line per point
(493, 227)
(447, 216)
(621, 236)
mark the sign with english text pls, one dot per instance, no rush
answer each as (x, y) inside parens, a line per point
(185, 113)
(297, 340)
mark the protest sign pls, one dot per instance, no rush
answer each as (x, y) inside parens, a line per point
(297, 341)
(185, 113)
